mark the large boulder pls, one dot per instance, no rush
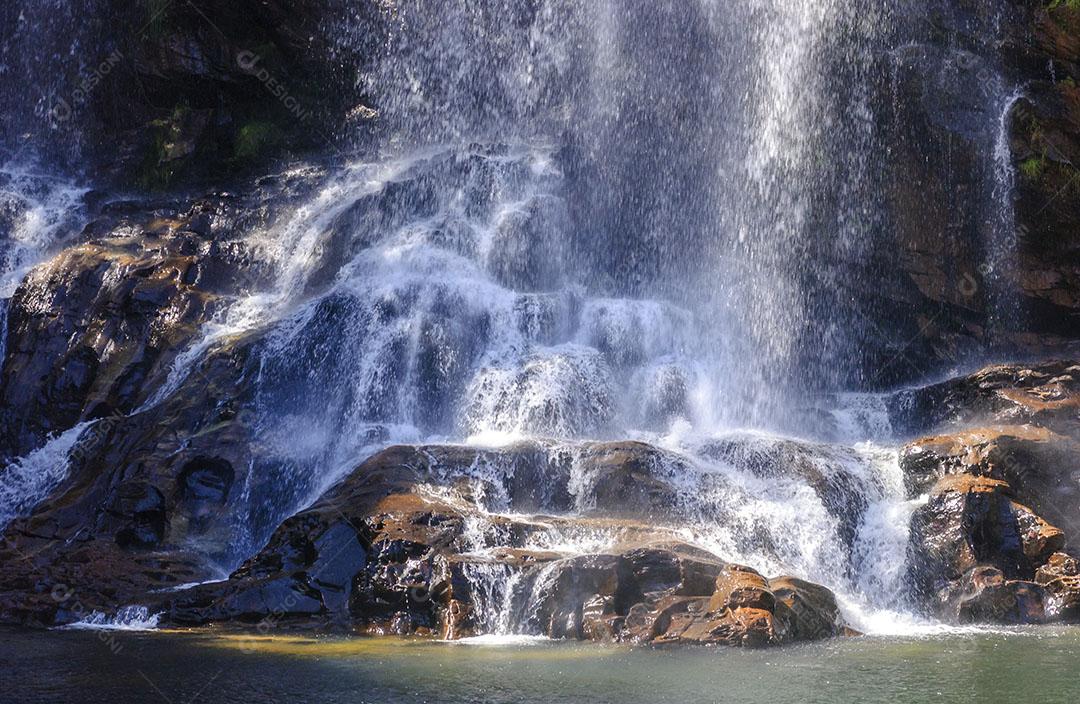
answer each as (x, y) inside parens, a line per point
(386, 552)
(822, 467)
(1041, 467)
(969, 524)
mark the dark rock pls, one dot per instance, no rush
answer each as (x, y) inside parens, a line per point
(94, 331)
(987, 597)
(1041, 467)
(1045, 394)
(401, 560)
(528, 246)
(969, 523)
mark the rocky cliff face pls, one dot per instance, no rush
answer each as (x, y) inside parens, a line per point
(987, 247)
(158, 95)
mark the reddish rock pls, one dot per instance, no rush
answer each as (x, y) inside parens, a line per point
(970, 522)
(1060, 577)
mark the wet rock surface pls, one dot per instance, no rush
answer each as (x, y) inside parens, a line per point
(382, 553)
(1002, 499)
(1044, 393)
(93, 332)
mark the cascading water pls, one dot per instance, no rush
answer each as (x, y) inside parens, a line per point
(592, 220)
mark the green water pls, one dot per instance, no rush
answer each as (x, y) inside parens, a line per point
(173, 668)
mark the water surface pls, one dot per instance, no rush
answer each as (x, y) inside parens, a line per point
(119, 667)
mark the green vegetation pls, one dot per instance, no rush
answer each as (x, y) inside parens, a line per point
(256, 139)
(167, 150)
(1033, 167)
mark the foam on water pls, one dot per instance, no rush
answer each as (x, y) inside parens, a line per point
(128, 618)
(502, 640)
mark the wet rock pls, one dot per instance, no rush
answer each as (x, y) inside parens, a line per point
(622, 479)
(987, 597)
(969, 523)
(405, 559)
(130, 499)
(528, 244)
(1045, 395)
(807, 610)
(1041, 467)
(94, 331)
(141, 510)
(813, 463)
(1060, 577)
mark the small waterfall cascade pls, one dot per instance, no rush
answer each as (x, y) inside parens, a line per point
(36, 211)
(581, 221)
(29, 480)
(840, 520)
(1003, 237)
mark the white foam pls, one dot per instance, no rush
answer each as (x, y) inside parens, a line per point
(46, 210)
(128, 618)
(503, 640)
(28, 481)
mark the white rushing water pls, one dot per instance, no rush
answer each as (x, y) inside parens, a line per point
(128, 618)
(28, 481)
(36, 211)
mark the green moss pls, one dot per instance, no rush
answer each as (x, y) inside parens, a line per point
(1071, 4)
(1033, 167)
(256, 139)
(158, 168)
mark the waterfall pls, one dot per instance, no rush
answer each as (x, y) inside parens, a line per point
(1002, 237)
(513, 266)
(37, 211)
(600, 219)
(48, 49)
(29, 481)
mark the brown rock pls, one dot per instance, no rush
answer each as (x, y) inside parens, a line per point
(1060, 576)
(1041, 467)
(987, 597)
(970, 522)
